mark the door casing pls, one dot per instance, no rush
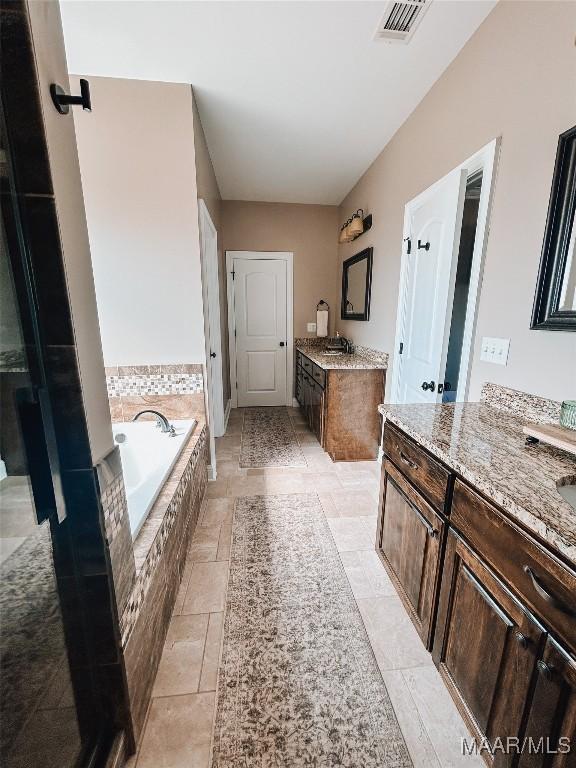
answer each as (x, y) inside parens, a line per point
(288, 257)
(484, 160)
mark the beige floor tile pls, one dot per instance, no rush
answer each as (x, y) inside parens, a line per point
(202, 554)
(217, 489)
(181, 662)
(228, 442)
(207, 535)
(229, 467)
(307, 438)
(207, 588)
(356, 503)
(349, 534)
(246, 486)
(204, 544)
(217, 511)
(212, 648)
(178, 732)
(394, 639)
(224, 542)
(441, 719)
(415, 734)
(320, 462)
(367, 576)
(327, 502)
(179, 602)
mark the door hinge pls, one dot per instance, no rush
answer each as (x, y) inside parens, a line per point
(234, 332)
(409, 246)
(233, 274)
(401, 349)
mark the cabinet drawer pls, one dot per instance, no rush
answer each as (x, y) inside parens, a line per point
(307, 364)
(537, 577)
(319, 375)
(430, 476)
(299, 358)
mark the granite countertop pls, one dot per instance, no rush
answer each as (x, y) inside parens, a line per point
(358, 360)
(486, 446)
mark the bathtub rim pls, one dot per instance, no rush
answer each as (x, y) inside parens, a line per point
(193, 426)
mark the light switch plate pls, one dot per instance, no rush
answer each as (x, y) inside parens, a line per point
(494, 350)
(311, 327)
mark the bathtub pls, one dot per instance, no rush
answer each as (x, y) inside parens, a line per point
(148, 456)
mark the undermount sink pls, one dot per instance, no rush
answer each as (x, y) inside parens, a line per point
(567, 489)
(333, 353)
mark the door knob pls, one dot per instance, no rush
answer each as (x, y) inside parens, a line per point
(282, 343)
(428, 386)
(212, 354)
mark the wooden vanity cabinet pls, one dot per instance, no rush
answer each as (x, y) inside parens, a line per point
(497, 607)
(411, 535)
(552, 711)
(486, 647)
(341, 408)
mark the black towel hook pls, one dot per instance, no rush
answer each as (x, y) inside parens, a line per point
(62, 100)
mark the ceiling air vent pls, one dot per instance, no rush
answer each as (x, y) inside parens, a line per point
(400, 20)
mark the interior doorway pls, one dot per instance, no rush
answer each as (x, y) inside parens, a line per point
(212, 331)
(260, 327)
(444, 241)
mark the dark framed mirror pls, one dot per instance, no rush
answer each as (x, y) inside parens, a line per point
(356, 284)
(555, 300)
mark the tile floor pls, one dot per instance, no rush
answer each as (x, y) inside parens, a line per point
(179, 725)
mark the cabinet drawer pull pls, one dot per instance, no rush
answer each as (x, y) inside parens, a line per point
(544, 594)
(407, 461)
(544, 669)
(432, 532)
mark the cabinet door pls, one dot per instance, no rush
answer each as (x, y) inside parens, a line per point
(317, 410)
(486, 647)
(307, 397)
(550, 738)
(299, 386)
(411, 533)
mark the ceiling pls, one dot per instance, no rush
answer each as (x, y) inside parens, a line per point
(296, 98)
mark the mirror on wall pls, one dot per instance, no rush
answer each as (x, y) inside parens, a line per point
(356, 282)
(555, 300)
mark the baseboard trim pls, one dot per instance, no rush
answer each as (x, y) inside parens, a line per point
(212, 473)
(295, 403)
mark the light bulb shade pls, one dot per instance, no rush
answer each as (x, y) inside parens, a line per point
(343, 236)
(356, 226)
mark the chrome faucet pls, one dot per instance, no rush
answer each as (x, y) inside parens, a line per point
(161, 421)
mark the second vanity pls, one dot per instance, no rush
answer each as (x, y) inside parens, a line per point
(482, 549)
(339, 395)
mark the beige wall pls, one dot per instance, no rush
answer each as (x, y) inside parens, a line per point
(515, 78)
(52, 68)
(309, 231)
(137, 161)
(207, 190)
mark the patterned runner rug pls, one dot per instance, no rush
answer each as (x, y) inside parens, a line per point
(298, 682)
(269, 439)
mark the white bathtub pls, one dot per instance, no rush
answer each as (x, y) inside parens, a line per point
(148, 456)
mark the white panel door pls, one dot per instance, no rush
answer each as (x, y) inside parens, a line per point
(432, 235)
(260, 313)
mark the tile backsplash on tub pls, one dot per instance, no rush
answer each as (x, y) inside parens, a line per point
(177, 390)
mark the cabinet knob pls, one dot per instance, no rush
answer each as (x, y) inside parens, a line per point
(544, 670)
(521, 639)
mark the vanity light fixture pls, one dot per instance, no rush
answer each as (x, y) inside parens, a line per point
(356, 225)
